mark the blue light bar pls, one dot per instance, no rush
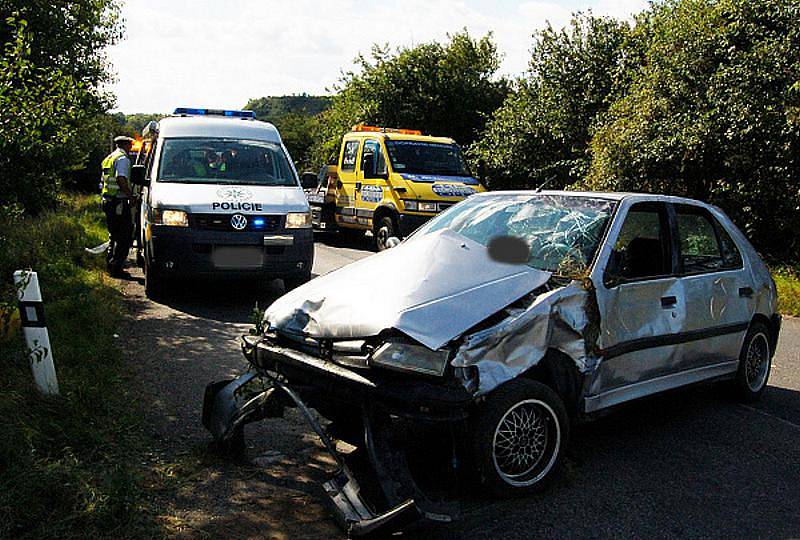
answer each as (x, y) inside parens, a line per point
(184, 111)
(258, 222)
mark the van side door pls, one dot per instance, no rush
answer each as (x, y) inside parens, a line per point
(642, 308)
(372, 174)
(346, 192)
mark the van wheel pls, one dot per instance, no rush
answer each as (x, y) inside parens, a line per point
(291, 283)
(384, 229)
(755, 362)
(153, 281)
(520, 435)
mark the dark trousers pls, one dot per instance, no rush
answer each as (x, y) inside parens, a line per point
(120, 231)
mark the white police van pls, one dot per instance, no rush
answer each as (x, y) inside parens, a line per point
(221, 197)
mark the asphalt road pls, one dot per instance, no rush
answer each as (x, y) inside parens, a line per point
(689, 463)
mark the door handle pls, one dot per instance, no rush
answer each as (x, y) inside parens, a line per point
(668, 301)
(358, 186)
(746, 292)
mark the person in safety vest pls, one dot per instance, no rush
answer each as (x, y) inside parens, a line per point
(116, 194)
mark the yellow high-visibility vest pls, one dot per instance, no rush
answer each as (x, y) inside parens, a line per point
(110, 186)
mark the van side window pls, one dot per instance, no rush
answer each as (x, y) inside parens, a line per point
(378, 168)
(700, 250)
(150, 158)
(642, 249)
(350, 154)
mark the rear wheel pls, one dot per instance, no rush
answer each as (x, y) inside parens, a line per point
(755, 362)
(384, 229)
(520, 433)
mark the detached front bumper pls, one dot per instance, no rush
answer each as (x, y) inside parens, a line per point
(227, 407)
(263, 393)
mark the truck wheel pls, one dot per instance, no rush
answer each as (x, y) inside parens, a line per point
(520, 435)
(384, 229)
(291, 283)
(755, 362)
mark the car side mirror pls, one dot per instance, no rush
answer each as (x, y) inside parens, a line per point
(138, 176)
(308, 180)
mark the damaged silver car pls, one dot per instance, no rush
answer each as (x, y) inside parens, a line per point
(501, 322)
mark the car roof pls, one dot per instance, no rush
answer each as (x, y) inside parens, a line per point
(609, 195)
(217, 127)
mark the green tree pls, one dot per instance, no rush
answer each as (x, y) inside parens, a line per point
(444, 89)
(712, 114)
(543, 129)
(51, 71)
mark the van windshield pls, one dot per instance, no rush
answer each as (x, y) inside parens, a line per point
(225, 161)
(421, 157)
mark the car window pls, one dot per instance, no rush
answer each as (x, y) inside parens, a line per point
(701, 249)
(642, 248)
(350, 155)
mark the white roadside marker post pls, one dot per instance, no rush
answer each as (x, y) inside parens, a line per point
(31, 314)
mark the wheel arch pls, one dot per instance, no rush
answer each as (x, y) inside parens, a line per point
(773, 325)
(383, 211)
(559, 372)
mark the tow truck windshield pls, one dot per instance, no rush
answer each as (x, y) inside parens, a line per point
(421, 157)
(563, 232)
(225, 161)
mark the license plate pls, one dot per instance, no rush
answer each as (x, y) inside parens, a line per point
(238, 257)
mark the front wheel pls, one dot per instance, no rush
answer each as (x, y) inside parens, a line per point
(291, 283)
(383, 230)
(755, 362)
(153, 280)
(520, 434)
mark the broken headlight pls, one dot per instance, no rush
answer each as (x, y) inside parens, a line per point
(405, 356)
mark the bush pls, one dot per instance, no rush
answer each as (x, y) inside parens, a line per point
(67, 463)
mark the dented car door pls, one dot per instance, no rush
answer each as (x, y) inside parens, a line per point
(642, 306)
(719, 291)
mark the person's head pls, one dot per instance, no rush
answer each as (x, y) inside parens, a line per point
(123, 142)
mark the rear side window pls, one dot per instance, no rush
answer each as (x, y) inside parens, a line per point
(349, 156)
(642, 248)
(705, 245)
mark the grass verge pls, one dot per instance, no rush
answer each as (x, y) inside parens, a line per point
(68, 464)
(788, 283)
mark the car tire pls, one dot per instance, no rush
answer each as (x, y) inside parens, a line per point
(755, 362)
(293, 282)
(384, 229)
(520, 431)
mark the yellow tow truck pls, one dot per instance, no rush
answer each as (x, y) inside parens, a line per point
(390, 181)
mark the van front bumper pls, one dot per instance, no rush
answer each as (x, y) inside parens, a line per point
(186, 251)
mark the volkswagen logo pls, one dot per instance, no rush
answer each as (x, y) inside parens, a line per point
(238, 222)
(234, 194)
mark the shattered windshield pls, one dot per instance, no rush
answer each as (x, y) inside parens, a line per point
(421, 157)
(562, 231)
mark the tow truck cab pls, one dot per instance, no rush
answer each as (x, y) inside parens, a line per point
(221, 198)
(390, 181)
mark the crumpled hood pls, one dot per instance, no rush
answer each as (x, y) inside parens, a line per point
(432, 288)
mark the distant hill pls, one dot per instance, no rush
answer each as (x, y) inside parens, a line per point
(273, 108)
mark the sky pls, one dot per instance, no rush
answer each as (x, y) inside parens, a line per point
(219, 54)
